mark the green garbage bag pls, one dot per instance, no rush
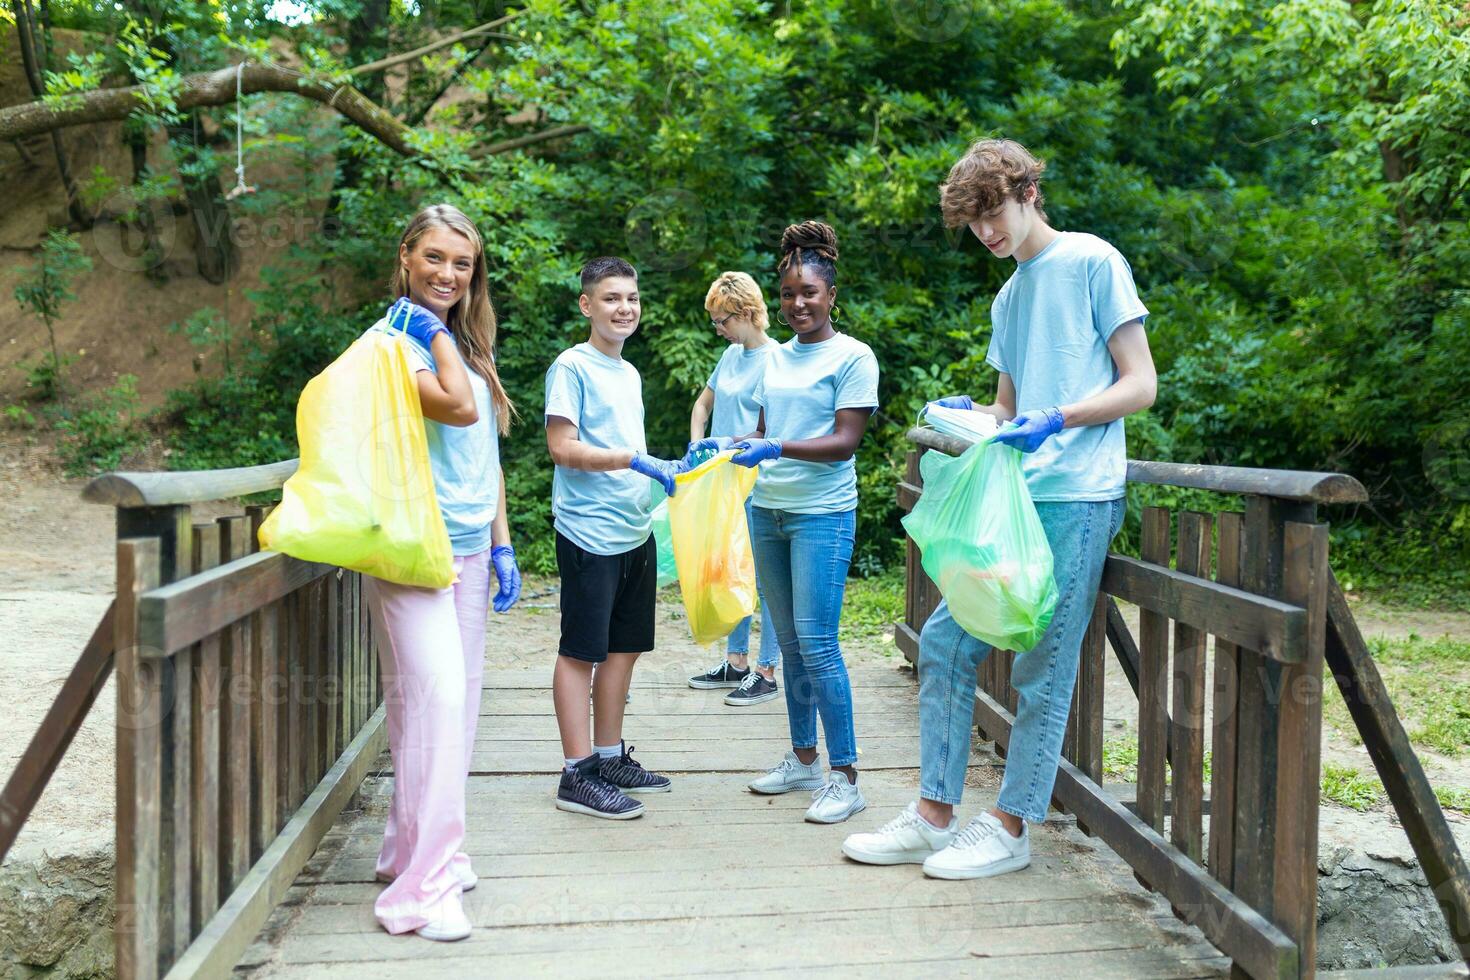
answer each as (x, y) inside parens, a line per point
(663, 538)
(983, 545)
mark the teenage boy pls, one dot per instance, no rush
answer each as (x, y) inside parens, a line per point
(1068, 341)
(605, 553)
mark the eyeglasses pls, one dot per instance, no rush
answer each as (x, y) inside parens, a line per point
(717, 324)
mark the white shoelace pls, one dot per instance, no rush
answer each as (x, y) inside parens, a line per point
(976, 831)
(830, 788)
(749, 681)
(907, 818)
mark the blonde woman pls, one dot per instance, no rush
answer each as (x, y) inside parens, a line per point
(431, 641)
(737, 312)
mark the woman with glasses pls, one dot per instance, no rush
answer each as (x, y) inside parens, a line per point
(738, 313)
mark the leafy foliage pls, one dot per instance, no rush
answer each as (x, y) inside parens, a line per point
(1288, 183)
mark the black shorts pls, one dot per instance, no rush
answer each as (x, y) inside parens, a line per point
(606, 600)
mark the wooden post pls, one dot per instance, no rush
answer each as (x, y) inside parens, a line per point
(140, 705)
(170, 527)
(1304, 582)
(1090, 684)
(208, 681)
(1187, 728)
(1259, 699)
(1153, 680)
(1223, 736)
(238, 698)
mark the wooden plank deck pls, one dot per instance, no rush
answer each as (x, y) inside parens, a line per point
(714, 879)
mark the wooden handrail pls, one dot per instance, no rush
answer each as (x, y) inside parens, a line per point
(186, 487)
(1319, 488)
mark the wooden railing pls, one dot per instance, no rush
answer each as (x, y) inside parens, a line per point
(1259, 583)
(248, 712)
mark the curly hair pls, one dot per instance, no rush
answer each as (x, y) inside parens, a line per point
(810, 244)
(736, 292)
(989, 172)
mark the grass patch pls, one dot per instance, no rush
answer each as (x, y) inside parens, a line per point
(1120, 757)
(1348, 787)
(871, 605)
(1453, 798)
(1434, 703)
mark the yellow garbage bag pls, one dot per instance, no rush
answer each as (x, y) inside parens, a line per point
(712, 546)
(363, 498)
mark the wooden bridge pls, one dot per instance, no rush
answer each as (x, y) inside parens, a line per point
(252, 777)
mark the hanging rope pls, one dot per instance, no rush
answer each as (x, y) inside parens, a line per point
(240, 188)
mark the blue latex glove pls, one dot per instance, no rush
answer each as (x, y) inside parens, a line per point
(661, 470)
(421, 325)
(702, 449)
(503, 557)
(955, 401)
(1029, 430)
(718, 443)
(755, 451)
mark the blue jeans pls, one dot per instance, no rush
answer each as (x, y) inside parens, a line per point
(1079, 534)
(801, 570)
(739, 639)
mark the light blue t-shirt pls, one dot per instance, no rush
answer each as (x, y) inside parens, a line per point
(801, 390)
(1052, 321)
(604, 513)
(733, 381)
(465, 460)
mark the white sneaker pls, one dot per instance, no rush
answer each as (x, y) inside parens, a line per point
(790, 775)
(906, 839)
(836, 801)
(451, 927)
(467, 879)
(983, 849)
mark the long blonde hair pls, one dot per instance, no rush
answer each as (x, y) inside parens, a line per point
(472, 319)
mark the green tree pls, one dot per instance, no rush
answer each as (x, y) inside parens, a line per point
(42, 292)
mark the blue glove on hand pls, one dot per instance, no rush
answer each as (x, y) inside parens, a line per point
(661, 470)
(421, 324)
(754, 451)
(503, 557)
(1030, 429)
(954, 401)
(702, 449)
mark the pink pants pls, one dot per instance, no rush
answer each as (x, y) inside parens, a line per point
(431, 645)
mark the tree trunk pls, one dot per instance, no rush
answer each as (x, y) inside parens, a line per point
(137, 141)
(215, 255)
(33, 56)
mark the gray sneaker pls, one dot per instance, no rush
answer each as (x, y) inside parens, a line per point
(789, 776)
(836, 801)
(753, 690)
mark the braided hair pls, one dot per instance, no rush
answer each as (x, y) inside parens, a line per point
(810, 244)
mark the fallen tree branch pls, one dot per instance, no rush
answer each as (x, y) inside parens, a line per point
(207, 89)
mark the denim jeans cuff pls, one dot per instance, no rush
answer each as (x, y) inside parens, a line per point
(1029, 817)
(932, 794)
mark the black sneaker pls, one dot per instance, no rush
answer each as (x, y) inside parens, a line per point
(753, 690)
(583, 790)
(629, 775)
(725, 675)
